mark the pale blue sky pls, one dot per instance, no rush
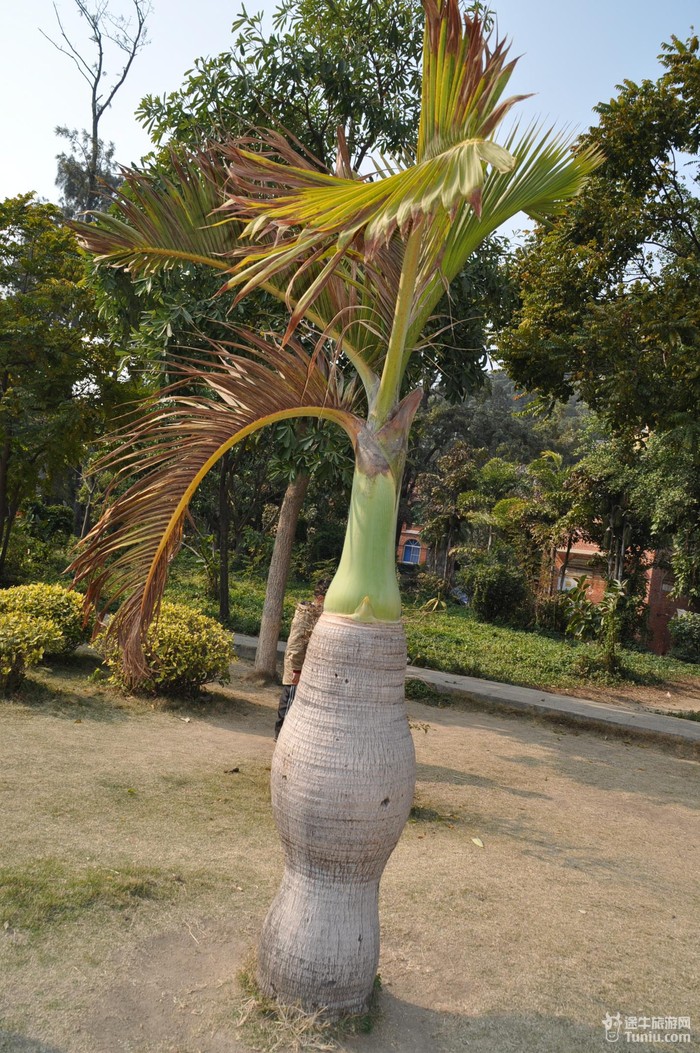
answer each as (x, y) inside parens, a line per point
(573, 55)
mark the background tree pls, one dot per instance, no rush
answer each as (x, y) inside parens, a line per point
(322, 66)
(610, 294)
(57, 375)
(87, 170)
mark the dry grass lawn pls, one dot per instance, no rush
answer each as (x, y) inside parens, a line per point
(138, 857)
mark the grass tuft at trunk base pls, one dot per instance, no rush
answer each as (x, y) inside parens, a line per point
(269, 1026)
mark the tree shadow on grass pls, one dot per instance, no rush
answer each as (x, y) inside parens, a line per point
(438, 773)
(655, 770)
(415, 1029)
(77, 688)
(12, 1043)
(63, 691)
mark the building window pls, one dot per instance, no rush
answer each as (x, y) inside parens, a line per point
(411, 552)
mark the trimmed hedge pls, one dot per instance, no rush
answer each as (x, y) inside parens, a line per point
(185, 650)
(23, 641)
(55, 603)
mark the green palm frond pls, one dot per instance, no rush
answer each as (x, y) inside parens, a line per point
(461, 188)
(549, 173)
(162, 219)
(463, 80)
(162, 455)
(333, 246)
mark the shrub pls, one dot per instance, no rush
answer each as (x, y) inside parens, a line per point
(593, 663)
(23, 641)
(498, 590)
(551, 612)
(185, 650)
(48, 521)
(61, 606)
(685, 636)
(600, 622)
(421, 586)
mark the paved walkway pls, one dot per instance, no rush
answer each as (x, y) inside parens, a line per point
(509, 697)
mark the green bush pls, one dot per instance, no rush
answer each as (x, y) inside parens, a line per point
(61, 606)
(685, 637)
(48, 521)
(23, 641)
(185, 650)
(497, 590)
(601, 622)
(551, 612)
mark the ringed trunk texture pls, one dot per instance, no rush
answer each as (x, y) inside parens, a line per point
(343, 776)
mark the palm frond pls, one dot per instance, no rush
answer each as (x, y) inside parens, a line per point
(165, 450)
(550, 171)
(461, 188)
(463, 79)
(164, 218)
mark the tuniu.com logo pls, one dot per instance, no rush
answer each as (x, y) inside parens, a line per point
(672, 1030)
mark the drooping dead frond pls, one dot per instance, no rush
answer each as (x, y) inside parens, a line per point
(167, 448)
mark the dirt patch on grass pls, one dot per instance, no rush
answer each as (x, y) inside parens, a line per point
(545, 878)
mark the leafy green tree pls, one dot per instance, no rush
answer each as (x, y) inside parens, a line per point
(610, 293)
(438, 506)
(343, 64)
(54, 368)
(666, 493)
(365, 263)
(643, 497)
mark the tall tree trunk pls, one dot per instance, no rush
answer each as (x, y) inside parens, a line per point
(565, 563)
(5, 537)
(5, 516)
(266, 654)
(224, 607)
(343, 771)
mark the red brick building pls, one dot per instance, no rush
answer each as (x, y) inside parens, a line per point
(411, 550)
(584, 558)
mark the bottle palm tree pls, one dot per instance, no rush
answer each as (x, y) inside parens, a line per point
(363, 261)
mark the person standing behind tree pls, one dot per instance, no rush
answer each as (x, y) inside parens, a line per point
(305, 617)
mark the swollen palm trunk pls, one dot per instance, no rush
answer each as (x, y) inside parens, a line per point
(343, 775)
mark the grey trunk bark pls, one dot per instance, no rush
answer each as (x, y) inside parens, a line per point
(266, 654)
(224, 607)
(343, 775)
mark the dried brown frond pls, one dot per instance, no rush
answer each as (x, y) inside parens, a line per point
(160, 456)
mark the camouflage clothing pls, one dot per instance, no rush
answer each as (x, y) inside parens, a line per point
(305, 617)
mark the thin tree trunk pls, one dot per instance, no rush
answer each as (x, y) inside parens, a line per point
(266, 654)
(565, 564)
(5, 536)
(5, 517)
(224, 607)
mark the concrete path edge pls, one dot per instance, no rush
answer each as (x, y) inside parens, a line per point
(487, 694)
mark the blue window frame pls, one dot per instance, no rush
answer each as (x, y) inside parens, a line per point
(411, 552)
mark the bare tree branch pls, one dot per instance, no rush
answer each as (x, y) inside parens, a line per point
(126, 35)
